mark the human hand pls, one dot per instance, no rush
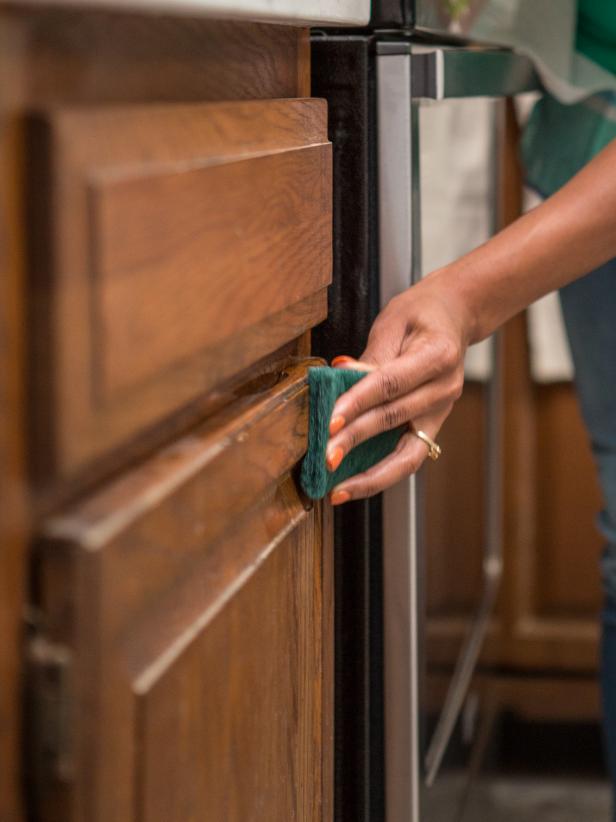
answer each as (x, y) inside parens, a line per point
(415, 356)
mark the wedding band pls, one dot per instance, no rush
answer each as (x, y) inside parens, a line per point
(434, 449)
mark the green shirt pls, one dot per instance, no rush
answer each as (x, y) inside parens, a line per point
(596, 32)
(560, 139)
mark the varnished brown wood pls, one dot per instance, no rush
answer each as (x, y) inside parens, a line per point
(13, 520)
(93, 57)
(195, 594)
(189, 227)
(53, 59)
(572, 699)
(59, 57)
(536, 698)
(304, 64)
(325, 528)
(568, 544)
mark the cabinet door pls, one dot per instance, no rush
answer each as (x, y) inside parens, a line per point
(552, 593)
(193, 598)
(178, 246)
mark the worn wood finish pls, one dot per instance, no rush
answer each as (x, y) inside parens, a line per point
(195, 595)
(180, 235)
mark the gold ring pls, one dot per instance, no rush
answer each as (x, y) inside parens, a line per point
(434, 449)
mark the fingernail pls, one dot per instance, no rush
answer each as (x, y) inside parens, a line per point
(341, 359)
(335, 424)
(338, 497)
(334, 458)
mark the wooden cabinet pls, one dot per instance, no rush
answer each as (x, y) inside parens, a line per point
(165, 249)
(552, 594)
(185, 242)
(193, 598)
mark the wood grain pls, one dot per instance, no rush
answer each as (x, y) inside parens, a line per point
(180, 231)
(14, 530)
(56, 59)
(195, 595)
(187, 260)
(95, 57)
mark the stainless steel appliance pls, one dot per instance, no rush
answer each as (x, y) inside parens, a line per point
(406, 74)
(390, 746)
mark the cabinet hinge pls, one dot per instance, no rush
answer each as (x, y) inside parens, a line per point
(49, 716)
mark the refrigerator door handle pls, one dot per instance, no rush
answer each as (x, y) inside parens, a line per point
(399, 256)
(446, 72)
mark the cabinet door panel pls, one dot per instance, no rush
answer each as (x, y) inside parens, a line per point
(179, 245)
(193, 595)
(241, 700)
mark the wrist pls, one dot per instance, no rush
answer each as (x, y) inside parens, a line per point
(454, 290)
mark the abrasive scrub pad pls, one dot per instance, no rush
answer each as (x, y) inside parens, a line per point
(325, 386)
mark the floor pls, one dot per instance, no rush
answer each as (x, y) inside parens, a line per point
(518, 799)
(531, 773)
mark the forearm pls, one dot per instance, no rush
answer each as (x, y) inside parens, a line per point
(567, 236)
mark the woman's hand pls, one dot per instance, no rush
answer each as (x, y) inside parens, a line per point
(415, 354)
(417, 344)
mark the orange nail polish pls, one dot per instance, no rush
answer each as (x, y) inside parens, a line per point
(341, 359)
(336, 424)
(334, 458)
(338, 497)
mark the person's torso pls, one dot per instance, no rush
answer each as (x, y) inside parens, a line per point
(560, 139)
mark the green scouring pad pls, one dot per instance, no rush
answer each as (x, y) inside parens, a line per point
(325, 386)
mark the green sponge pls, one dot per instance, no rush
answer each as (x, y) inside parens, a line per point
(325, 386)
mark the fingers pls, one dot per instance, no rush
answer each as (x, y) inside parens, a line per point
(352, 364)
(421, 362)
(434, 397)
(407, 459)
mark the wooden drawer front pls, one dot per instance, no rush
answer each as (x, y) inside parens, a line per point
(194, 599)
(187, 242)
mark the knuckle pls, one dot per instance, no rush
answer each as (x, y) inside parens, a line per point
(449, 353)
(351, 440)
(370, 488)
(354, 408)
(391, 417)
(389, 385)
(457, 387)
(394, 303)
